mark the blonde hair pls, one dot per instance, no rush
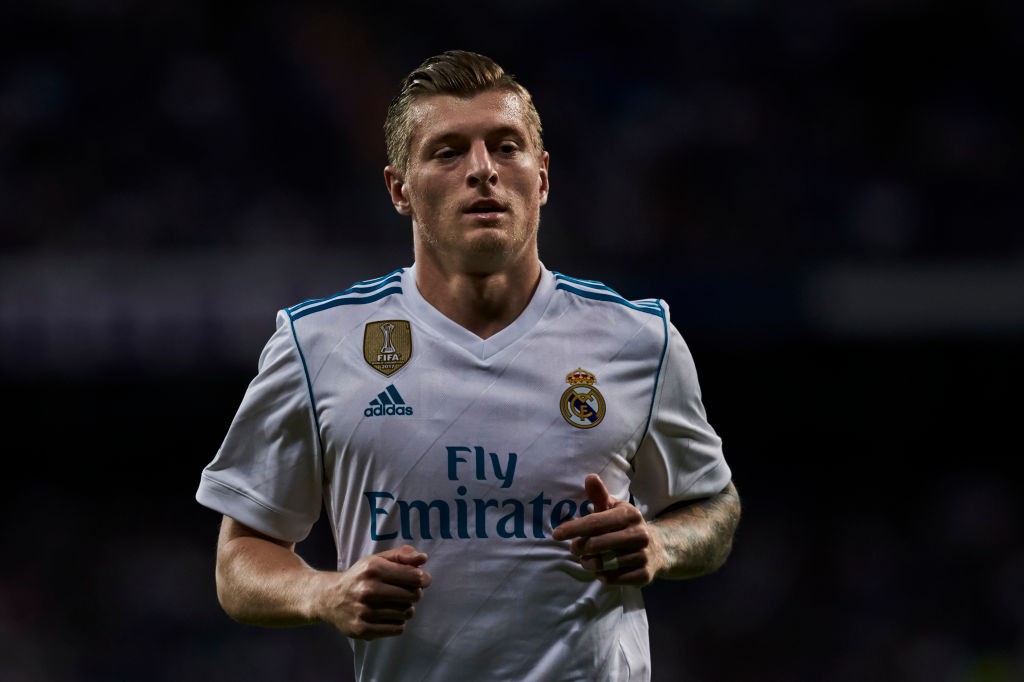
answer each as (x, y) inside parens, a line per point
(455, 72)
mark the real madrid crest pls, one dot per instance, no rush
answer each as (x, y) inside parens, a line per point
(387, 345)
(582, 404)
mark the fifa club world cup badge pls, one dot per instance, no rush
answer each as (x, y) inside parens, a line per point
(387, 345)
(582, 404)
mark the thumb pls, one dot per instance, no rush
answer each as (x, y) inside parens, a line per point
(406, 554)
(597, 493)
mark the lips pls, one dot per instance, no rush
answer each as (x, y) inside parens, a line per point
(484, 206)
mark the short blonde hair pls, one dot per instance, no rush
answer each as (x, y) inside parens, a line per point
(455, 72)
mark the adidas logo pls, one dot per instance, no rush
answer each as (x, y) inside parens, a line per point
(388, 401)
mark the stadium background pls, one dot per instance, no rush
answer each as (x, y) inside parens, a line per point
(827, 194)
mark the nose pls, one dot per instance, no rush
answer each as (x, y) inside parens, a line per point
(481, 168)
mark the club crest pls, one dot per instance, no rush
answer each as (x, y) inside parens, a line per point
(387, 345)
(582, 404)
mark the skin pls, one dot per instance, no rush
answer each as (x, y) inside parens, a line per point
(685, 541)
(479, 269)
(473, 190)
(262, 581)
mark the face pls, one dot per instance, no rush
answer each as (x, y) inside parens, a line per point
(475, 182)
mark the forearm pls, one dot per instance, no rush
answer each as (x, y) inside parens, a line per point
(694, 539)
(263, 582)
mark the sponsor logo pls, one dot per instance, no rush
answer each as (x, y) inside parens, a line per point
(582, 404)
(514, 514)
(388, 402)
(387, 345)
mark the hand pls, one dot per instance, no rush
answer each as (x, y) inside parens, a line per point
(375, 596)
(614, 540)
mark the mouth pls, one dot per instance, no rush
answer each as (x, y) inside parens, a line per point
(485, 207)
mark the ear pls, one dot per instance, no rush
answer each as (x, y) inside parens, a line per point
(396, 188)
(544, 158)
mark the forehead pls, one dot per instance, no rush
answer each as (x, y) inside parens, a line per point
(442, 115)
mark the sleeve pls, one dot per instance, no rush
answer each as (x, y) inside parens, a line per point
(268, 473)
(680, 457)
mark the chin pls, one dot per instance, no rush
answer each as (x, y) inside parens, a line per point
(489, 241)
(488, 253)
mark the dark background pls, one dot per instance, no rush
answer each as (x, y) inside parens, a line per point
(826, 195)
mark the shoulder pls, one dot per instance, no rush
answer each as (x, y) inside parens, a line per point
(361, 293)
(601, 315)
(599, 295)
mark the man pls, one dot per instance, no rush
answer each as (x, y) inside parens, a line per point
(506, 455)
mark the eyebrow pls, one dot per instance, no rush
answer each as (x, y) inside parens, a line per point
(452, 135)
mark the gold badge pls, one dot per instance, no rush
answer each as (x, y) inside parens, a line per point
(387, 345)
(582, 404)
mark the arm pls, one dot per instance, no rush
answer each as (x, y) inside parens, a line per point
(685, 541)
(694, 538)
(262, 581)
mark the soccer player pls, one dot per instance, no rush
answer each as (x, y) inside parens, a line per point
(506, 454)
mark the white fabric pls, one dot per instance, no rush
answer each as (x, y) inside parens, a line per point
(479, 471)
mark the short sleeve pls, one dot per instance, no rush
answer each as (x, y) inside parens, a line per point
(680, 457)
(267, 473)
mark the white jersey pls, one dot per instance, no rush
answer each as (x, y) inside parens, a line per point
(408, 429)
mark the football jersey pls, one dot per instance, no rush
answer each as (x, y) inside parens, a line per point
(406, 428)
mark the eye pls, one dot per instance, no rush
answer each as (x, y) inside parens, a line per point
(508, 147)
(445, 153)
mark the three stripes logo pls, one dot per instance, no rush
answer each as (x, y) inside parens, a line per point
(388, 401)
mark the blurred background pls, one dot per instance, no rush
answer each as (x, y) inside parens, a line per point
(826, 194)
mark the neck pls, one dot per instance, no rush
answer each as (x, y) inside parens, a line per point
(483, 302)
